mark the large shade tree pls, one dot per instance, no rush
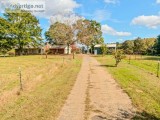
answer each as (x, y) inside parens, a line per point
(6, 36)
(89, 32)
(60, 33)
(83, 31)
(158, 45)
(139, 46)
(128, 47)
(26, 29)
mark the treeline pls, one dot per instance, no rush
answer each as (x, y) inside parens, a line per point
(146, 46)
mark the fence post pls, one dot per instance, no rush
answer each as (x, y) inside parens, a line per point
(73, 55)
(63, 61)
(20, 79)
(158, 67)
(129, 59)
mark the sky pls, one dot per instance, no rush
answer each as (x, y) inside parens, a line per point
(120, 19)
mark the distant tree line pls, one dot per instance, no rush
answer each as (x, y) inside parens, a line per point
(146, 46)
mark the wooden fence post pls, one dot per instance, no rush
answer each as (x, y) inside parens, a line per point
(129, 59)
(63, 61)
(20, 79)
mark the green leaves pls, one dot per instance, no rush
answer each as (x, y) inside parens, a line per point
(6, 36)
(60, 33)
(85, 31)
(128, 47)
(139, 46)
(22, 28)
(158, 44)
(89, 32)
(119, 55)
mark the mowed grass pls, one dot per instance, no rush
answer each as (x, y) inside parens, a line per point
(46, 85)
(139, 80)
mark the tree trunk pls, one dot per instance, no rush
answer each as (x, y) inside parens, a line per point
(20, 50)
(87, 50)
(116, 64)
(73, 55)
(91, 51)
(46, 55)
(68, 49)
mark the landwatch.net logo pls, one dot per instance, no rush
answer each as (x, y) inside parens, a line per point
(27, 5)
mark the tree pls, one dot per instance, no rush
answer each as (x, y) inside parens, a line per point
(61, 34)
(96, 32)
(150, 45)
(84, 31)
(89, 32)
(49, 38)
(6, 36)
(26, 29)
(139, 46)
(119, 55)
(104, 49)
(158, 44)
(128, 47)
(103, 46)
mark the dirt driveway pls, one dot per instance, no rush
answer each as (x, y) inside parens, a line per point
(96, 96)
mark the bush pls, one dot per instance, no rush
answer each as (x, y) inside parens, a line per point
(119, 55)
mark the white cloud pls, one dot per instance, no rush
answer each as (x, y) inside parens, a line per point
(110, 31)
(111, 1)
(152, 21)
(67, 18)
(158, 1)
(54, 7)
(101, 15)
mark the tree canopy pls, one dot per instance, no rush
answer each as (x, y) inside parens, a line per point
(6, 36)
(86, 32)
(140, 46)
(19, 29)
(158, 44)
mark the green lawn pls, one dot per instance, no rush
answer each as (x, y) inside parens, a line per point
(139, 80)
(46, 84)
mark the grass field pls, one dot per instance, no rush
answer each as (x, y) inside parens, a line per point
(139, 80)
(46, 85)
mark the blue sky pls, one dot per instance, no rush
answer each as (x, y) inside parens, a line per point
(120, 19)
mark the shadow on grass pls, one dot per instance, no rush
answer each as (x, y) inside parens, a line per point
(6, 56)
(107, 65)
(96, 56)
(152, 58)
(144, 116)
(137, 115)
(126, 115)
